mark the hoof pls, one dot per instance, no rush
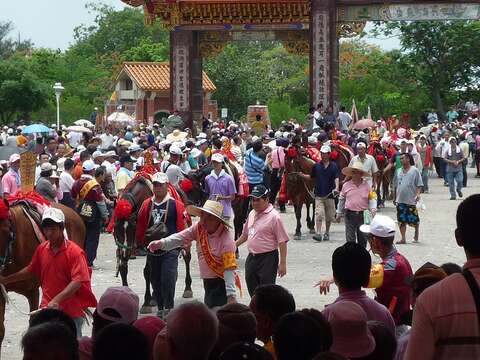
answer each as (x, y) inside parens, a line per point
(152, 302)
(187, 294)
(146, 309)
(312, 231)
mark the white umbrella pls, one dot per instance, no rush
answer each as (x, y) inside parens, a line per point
(80, 129)
(83, 122)
(120, 117)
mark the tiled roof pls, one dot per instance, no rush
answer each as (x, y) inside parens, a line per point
(155, 76)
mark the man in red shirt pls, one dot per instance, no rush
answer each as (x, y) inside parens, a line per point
(61, 267)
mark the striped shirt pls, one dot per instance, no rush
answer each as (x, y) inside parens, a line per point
(254, 166)
(445, 323)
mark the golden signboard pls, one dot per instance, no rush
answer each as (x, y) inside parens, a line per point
(28, 163)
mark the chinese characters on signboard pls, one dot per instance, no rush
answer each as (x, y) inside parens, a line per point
(181, 78)
(321, 64)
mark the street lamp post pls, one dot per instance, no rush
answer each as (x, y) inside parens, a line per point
(58, 92)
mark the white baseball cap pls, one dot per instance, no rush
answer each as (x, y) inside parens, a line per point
(201, 136)
(134, 148)
(160, 178)
(381, 226)
(46, 167)
(97, 154)
(217, 157)
(200, 142)
(325, 149)
(14, 157)
(361, 144)
(89, 165)
(175, 150)
(53, 214)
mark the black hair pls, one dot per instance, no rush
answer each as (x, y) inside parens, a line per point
(50, 339)
(385, 342)
(46, 173)
(243, 350)
(329, 356)
(52, 315)
(410, 158)
(91, 148)
(467, 223)
(99, 322)
(217, 143)
(120, 342)
(342, 109)
(351, 265)
(257, 145)
(85, 155)
(50, 138)
(274, 300)
(451, 268)
(101, 170)
(300, 337)
(68, 164)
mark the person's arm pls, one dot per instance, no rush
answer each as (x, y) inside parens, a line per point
(241, 240)
(65, 294)
(21, 275)
(230, 288)
(181, 239)
(282, 266)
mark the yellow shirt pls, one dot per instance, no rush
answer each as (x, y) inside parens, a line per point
(21, 140)
(122, 180)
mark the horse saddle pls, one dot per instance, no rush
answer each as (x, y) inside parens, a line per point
(31, 210)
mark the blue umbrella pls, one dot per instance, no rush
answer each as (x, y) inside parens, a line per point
(36, 128)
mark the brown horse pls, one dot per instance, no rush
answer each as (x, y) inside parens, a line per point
(17, 245)
(300, 189)
(384, 178)
(135, 193)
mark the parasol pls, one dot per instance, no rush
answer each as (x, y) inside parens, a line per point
(79, 129)
(364, 124)
(83, 122)
(36, 129)
(120, 117)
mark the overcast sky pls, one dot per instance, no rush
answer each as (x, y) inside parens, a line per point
(50, 23)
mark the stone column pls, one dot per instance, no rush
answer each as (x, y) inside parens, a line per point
(186, 76)
(324, 47)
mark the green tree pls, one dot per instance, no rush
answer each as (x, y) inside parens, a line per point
(148, 50)
(9, 47)
(21, 92)
(444, 57)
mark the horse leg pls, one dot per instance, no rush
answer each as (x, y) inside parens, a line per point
(147, 300)
(2, 320)
(187, 293)
(298, 216)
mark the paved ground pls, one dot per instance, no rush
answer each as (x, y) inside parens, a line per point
(307, 260)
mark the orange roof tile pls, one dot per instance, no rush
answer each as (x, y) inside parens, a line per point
(155, 76)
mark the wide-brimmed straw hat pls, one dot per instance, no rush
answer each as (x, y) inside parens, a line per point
(356, 167)
(210, 207)
(177, 135)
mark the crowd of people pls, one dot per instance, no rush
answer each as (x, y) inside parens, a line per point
(90, 173)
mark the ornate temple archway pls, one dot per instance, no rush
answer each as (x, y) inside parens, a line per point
(202, 28)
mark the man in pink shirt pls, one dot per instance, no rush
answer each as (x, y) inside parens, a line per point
(354, 201)
(277, 160)
(11, 180)
(265, 235)
(446, 317)
(215, 250)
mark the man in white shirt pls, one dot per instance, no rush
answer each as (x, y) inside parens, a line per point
(107, 139)
(344, 120)
(74, 138)
(170, 167)
(368, 162)
(109, 163)
(66, 183)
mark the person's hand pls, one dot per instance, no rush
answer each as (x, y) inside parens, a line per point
(155, 245)
(231, 299)
(53, 304)
(373, 212)
(338, 217)
(324, 286)
(282, 269)
(106, 221)
(417, 198)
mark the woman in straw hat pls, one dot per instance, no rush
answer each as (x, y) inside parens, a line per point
(215, 250)
(357, 202)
